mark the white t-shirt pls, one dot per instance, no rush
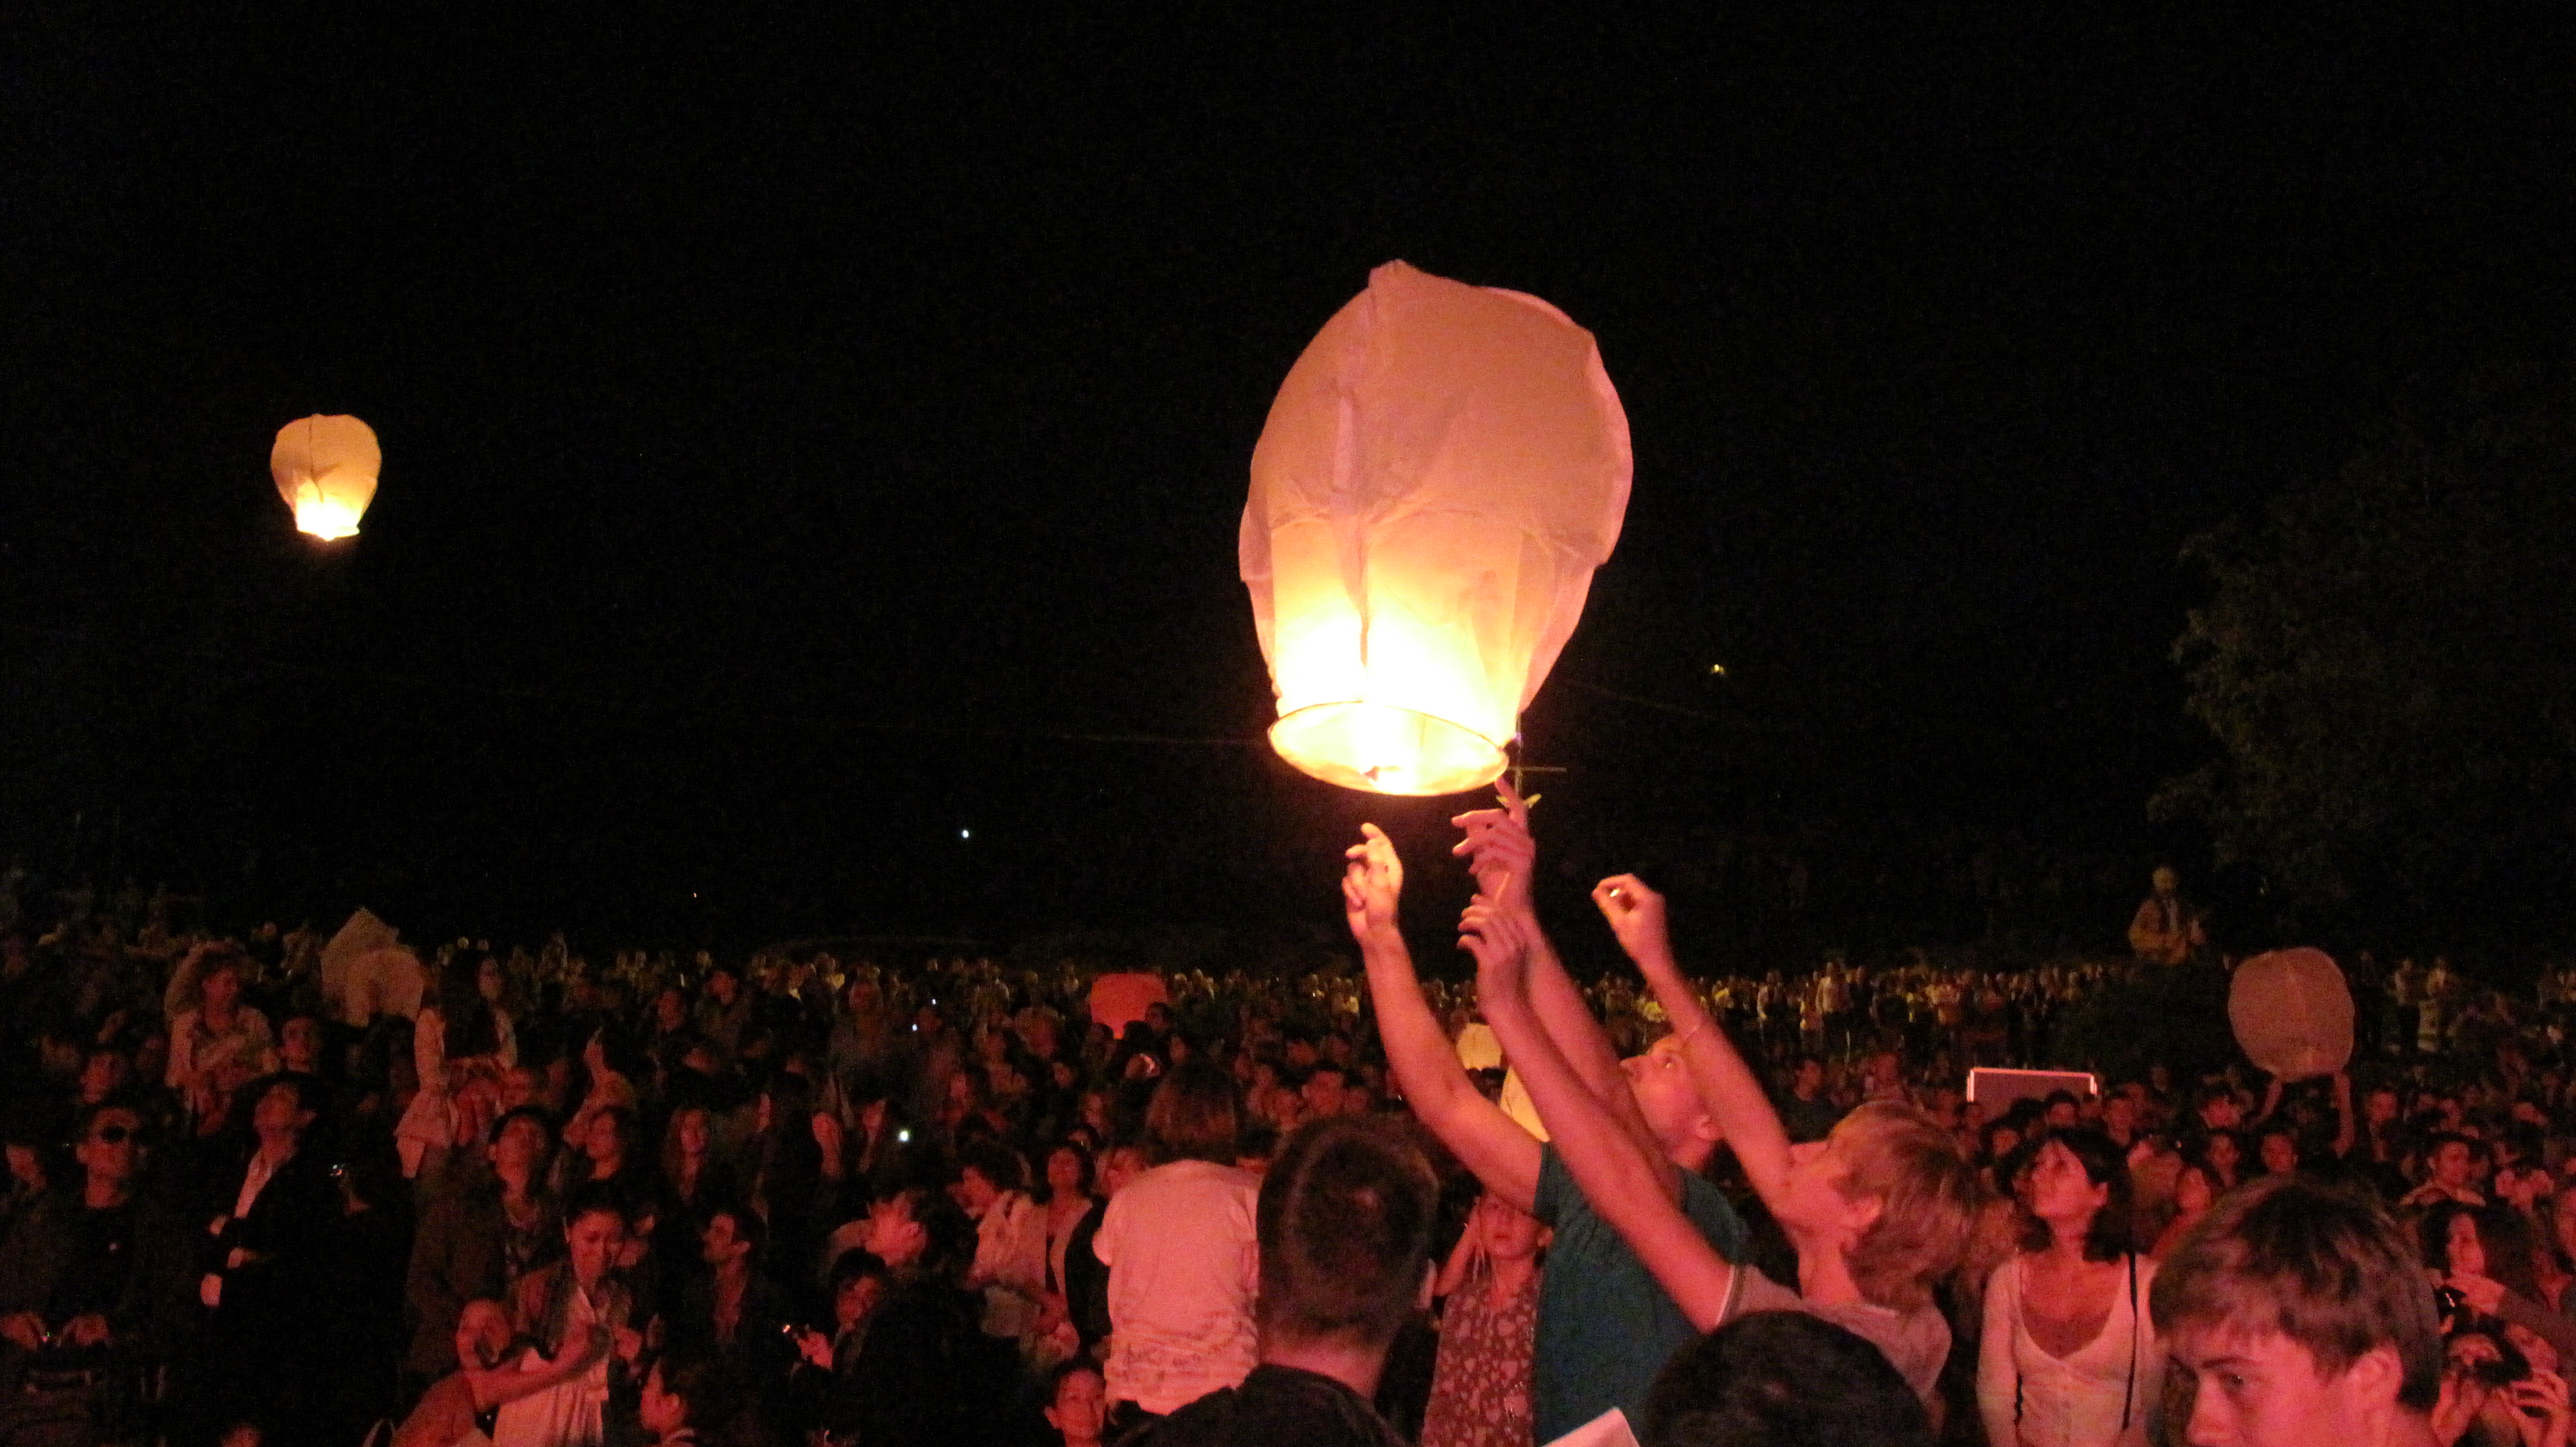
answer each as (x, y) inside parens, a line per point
(1184, 1266)
(1915, 1342)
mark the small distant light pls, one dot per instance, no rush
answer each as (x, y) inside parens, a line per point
(1718, 668)
(965, 833)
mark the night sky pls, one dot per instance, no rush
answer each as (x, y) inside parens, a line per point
(813, 440)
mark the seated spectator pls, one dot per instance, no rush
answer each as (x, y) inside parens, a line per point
(682, 1399)
(1010, 1240)
(925, 1373)
(2481, 1261)
(558, 1310)
(2297, 1316)
(1065, 1205)
(1077, 1405)
(2450, 1164)
(212, 1028)
(1346, 1215)
(821, 1380)
(93, 1284)
(733, 1316)
(1086, 1276)
(468, 1400)
(263, 1282)
(1782, 1379)
(478, 1237)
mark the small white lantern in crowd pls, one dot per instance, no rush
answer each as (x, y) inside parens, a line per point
(1441, 473)
(2293, 1013)
(326, 470)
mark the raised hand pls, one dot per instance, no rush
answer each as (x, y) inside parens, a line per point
(1372, 884)
(1636, 915)
(1500, 941)
(1499, 849)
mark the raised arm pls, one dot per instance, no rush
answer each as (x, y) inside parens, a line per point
(1503, 855)
(1435, 1085)
(1632, 1189)
(1725, 1083)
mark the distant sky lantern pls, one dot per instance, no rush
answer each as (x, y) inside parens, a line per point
(326, 470)
(1441, 473)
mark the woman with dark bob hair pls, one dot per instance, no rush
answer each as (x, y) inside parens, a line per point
(2481, 1263)
(2070, 1357)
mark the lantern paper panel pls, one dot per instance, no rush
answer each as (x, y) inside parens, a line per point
(326, 470)
(2293, 1013)
(1441, 473)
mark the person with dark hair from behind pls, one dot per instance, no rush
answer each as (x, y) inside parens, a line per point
(2067, 1357)
(1782, 1379)
(1346, 1216)
(2298, 1316)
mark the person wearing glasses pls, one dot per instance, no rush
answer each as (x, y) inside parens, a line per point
(93, 1282)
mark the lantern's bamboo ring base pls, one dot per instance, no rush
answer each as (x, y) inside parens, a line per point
(1383, 749)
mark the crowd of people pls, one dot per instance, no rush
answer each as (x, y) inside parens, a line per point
(540, 1201)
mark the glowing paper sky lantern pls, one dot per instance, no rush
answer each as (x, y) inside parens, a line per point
(326, 470)
(1442, 471)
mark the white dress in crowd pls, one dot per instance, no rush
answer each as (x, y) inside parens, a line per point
(2036, 1400)
(429, 1121)
(569, 1414)
(1184, 1265)
(1010, 1264)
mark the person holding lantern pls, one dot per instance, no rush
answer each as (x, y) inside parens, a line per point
(1878, 1211)
(1604, 1324)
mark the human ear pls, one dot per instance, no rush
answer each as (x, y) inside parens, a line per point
(1860, 1213)
(2374, 1376)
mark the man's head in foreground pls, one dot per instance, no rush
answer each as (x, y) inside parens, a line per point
(1346, 1215)
(2300, 1315)
(1782, 1379)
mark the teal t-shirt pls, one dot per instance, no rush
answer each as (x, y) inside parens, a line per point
(1605, 1325)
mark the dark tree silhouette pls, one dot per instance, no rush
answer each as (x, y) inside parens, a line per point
(2388, 663)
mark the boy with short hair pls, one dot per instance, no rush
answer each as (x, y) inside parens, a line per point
(2302, 1316)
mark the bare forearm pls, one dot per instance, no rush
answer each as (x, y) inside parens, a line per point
(1417, 1048)
(1634, 1190)
(1726, 1085)
(1569, 1022)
